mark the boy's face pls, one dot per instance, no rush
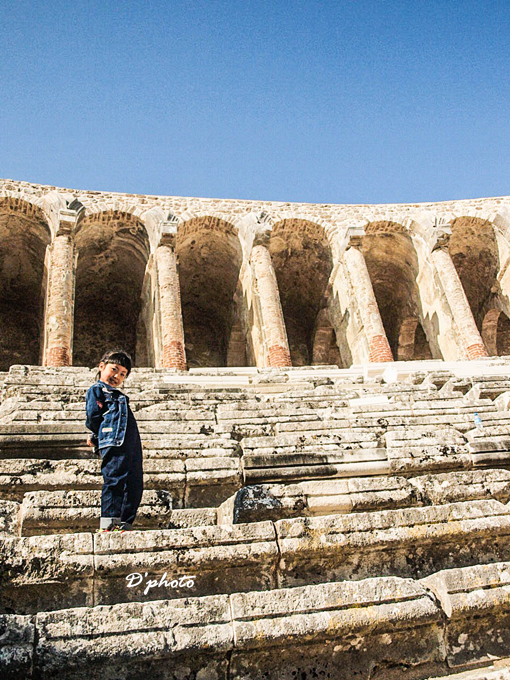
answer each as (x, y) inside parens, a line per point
(112, 374)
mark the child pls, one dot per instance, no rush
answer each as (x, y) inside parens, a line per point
(115, 434)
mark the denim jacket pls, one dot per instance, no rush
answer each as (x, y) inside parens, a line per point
(107, 414)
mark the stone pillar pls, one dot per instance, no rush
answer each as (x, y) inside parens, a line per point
(378, 345)
(60, 299)
(456, 297)
(278, 353)
(172, 330)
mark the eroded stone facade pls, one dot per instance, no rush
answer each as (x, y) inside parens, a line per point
(191, 282)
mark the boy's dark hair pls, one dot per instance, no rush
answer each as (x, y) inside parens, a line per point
(116, 356)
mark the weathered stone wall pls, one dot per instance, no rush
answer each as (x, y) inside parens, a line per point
(248, 282)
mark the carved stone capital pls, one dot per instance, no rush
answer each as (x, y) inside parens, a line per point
(441, 238)
(262, 235)
(67, 221)
(168, 233)
(354, 237)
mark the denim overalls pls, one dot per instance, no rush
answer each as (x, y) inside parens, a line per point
(114, 428)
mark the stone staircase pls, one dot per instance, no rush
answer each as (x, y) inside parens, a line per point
(300, 523)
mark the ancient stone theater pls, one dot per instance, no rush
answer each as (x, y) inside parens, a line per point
(322, 393)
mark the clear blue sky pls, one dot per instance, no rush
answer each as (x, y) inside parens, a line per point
(362, 101)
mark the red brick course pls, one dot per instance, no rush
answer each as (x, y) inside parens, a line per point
(278, 357)
(58, 356)
(379, 349)
(174, 356)
(476, 351)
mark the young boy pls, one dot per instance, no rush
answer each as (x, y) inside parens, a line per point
(115, 434)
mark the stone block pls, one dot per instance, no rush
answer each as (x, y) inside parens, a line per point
(476, 601)
(171, 639)
(277, 466)
(193, 517)
(221, 559)
(261, 502)
(17, 639)
(10, 524)
(18, 476)
(68, 511)
(412, 542)
(50, 572)
(315, 631)
(452, 487)
(210, 480)
(46, 572)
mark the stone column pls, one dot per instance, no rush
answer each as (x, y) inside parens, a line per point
(456, 297)
(378, 345)
(60, 299)
(172, 330)
(278, 353)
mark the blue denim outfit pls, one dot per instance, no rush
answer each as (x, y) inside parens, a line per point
(114, 429)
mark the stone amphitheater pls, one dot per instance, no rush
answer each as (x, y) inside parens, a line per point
(318, 500)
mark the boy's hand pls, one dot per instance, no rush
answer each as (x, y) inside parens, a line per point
(89, 440)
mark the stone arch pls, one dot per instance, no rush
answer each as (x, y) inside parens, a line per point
(412, 341)
(113, 251)
(303, 261)
(210, 258)
(325, 348)
(393, 266)
(24, 237)
(474, 251)
(496, 333)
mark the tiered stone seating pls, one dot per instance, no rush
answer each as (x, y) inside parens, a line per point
(302, 523)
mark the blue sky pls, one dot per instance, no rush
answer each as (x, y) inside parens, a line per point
(363, 101)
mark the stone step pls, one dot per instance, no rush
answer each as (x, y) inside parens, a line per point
(331, 461)
(410, 543)
(476, 602)
(206, 638)
(55, 411)
(96, 567)
(341, 496)
(394, 624)
(66, 511)
(304, 458)
(315, 463)
(288, 442)
(412, 460)
(71, 511)
(155, 410)
(190, 447)
(44, 512)
(419, 406)
(178, 447)
(66, 430)
(436, 372)
(199, 482)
